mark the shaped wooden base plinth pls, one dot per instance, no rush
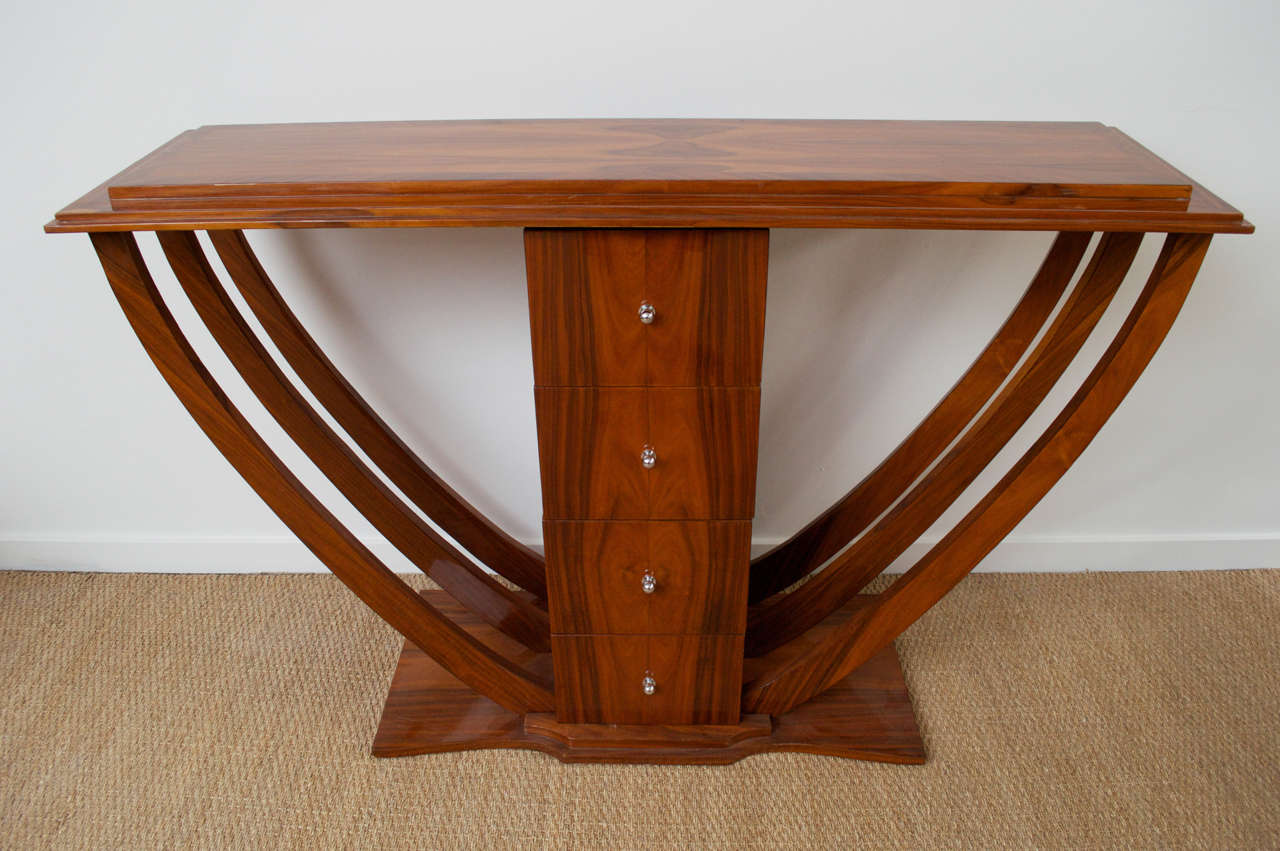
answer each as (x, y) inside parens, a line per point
(866, 716)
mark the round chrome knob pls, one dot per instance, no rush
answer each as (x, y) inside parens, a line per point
(648, 584)
(648, 685)
(647, 313)
(648, 458)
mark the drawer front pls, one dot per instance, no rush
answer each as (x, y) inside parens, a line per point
(706, 443)
(592, 444)
(589, 450)
(705, 288)
(600, 679)
(585, 292)
(647, 577)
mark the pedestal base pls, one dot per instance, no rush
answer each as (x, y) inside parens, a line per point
(867, 716)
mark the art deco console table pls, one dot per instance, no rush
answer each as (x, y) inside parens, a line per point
(647, 634)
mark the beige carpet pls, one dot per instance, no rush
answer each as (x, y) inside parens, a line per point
(1081, 711)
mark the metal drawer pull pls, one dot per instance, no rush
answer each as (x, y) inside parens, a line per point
(649, 685)
(648, 584)
(647, 313)
(648, 458)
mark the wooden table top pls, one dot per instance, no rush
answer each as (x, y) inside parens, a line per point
(654, 173)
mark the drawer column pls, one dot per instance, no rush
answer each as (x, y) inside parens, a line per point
(647, 349)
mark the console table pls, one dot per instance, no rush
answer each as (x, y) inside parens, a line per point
(647, 633)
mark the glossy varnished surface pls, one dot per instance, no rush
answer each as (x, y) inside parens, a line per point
(599, 678)
(420, 543)
(432, 495)
(487, 671)
(590, 442)
(706, 287)
(386, 157)
(786, 616)
(653, 736)
(681, 383)
(659, 173)
(595, 571)
(866, 716)
(670, 213)
(832, 530)
(791, 681)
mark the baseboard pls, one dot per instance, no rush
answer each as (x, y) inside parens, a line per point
(171, 554)
(270, 554)
(1083, 554)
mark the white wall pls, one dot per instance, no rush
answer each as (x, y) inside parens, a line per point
(101, 468)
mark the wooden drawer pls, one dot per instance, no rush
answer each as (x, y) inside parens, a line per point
(596, 576)
(590, 445)
(706, 288)
(600, 679)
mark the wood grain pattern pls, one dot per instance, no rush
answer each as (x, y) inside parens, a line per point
(608, 386)
(699, 678)
(431, 494)
(490, 674)
(707, 286)
(707, 441)
(866, 716)
(428, 710)
(654, 173)
(590, 442)
(832, 530)
(1043, 160)
(594, 572)
(701, 573)
(589, 445)
(585, 290)
(783, 617)
(647, 736)
(599, 678)
(780, 687)
(421, 544)
(1206, 213)
(674, 213)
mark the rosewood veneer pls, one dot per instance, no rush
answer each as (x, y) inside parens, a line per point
(647, 633)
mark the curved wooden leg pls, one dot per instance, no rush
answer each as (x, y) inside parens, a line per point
(431, 553)
(832, 530)
(802, 676)
(458, 518)
(782, 618)
(395, 602)
(818, 662)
